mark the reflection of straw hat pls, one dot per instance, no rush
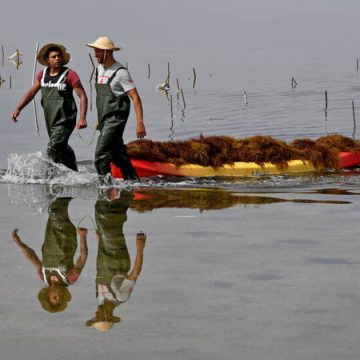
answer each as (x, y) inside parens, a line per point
(104, 43)
(104, 319)
(102, 325)
(42, 53)
(64, 298)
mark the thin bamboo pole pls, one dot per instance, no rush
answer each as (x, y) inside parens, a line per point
(177, 89)
(171, 108)
(326, 100)
(183, 98)
(194, 81)
(33, 80)
(90, 82)
(354, 118)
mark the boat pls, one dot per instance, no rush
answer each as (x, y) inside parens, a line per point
(151, 168)
(147, 165)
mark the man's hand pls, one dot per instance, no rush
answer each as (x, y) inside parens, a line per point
(82, 124)
(140, 240)
(15, 236)
(140, 131)
(15, 115)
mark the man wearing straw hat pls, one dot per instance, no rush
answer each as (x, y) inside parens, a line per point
(114, 89)
(57, 83)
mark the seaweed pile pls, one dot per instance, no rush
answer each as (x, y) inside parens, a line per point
(216, 151)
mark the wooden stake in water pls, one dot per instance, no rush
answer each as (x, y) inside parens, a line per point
(168, 76)
(171, 108)
(2, 55)
(194, 81)
(353, 112)
(326, 100)
(91, 95)
(90, 81)
(2, 81)
(183, 98)
(246, 98)
(33, 80)
(354, 119)
(357, 64)
(94, 68)
(148, 71)
(10, 82)
(167, 80)
(177, 89)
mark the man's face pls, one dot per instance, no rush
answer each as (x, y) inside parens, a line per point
(55, 59)
(99, 54)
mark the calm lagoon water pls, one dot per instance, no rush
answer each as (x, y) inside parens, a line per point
(253, 268)
(260, 273)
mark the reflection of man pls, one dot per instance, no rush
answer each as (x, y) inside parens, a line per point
(57, 268)
(114, 281)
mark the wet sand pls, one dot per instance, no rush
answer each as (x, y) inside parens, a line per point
(254, 280)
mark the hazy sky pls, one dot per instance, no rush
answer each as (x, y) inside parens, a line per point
(193, 23)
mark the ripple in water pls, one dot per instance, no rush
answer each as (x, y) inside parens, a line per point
(36, 168)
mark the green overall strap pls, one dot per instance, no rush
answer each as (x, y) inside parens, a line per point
(114, 74)
(111, 78)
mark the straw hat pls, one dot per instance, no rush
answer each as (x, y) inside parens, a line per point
(104, 43)
(41, 55)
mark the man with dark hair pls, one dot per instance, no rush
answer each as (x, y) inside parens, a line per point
(57, 83)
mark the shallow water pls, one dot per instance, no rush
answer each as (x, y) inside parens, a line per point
(261, 267)
(268, 273)
(264, 266)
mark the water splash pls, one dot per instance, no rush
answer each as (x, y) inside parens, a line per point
(37, 168)
(30, 168)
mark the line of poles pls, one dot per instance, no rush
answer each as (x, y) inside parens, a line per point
(179, 91)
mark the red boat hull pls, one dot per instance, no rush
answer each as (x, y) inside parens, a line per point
(148, 169)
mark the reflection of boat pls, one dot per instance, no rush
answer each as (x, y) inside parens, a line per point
(225, 156)
(205, 199)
